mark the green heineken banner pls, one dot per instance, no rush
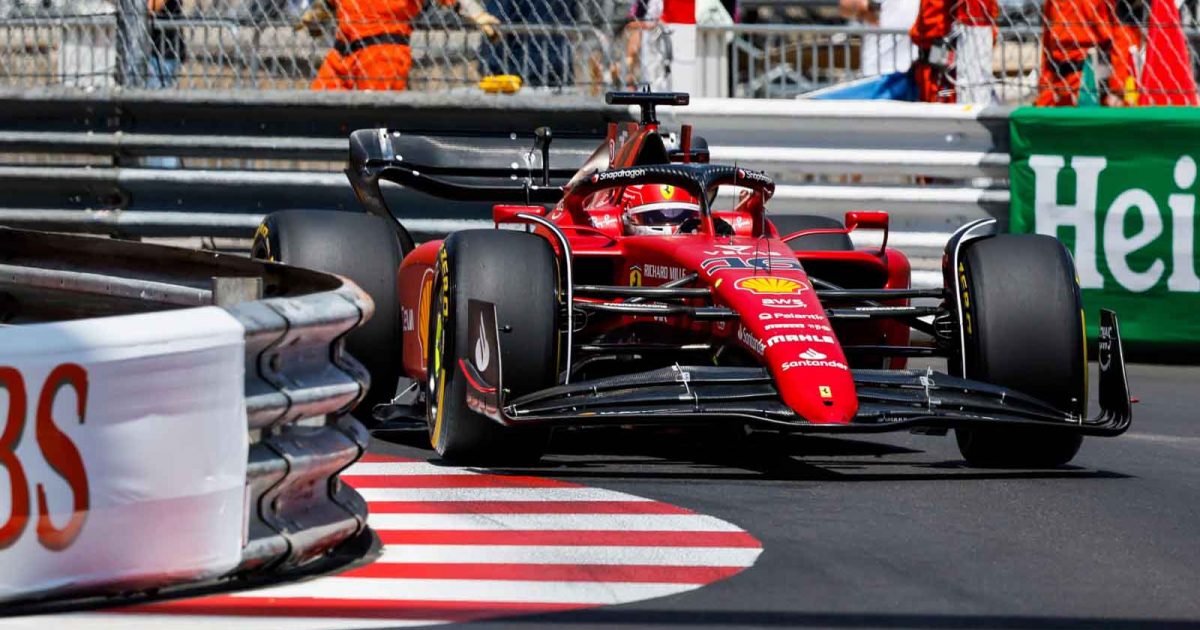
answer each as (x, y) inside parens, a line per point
(1119, 187)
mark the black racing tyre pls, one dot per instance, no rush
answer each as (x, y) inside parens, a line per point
(1024, 330)
(518, 273)
(786, 224)
(364, 248)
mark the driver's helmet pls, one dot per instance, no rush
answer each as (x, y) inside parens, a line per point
(657, 208)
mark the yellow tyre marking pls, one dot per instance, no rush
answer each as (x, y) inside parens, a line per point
(437, 421)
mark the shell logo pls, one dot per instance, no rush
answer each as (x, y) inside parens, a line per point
(770, 284)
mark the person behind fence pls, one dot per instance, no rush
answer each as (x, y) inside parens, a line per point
(168, 50)
(372, 48)
(883, 53)
(933, 33)
(541, 59)
(1075, 28)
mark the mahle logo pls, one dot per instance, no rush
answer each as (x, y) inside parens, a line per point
(1110, 239)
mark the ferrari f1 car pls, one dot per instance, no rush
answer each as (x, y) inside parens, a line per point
(641, 291)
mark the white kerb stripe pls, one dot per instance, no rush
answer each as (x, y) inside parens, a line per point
(570, 555)
(552, 522)
(521, 591)
(155, 621)
(495, 494)
(405, 468)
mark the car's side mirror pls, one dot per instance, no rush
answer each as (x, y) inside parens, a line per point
(507, 213)
(870, 219)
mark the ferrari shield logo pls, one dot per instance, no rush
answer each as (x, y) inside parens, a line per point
(635, 277)
(668, 192)
(825, 391)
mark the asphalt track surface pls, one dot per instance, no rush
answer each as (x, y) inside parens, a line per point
(894, 531)
(886, 531)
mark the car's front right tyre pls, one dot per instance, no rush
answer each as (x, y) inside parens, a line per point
(1022, 317)
(518, 273)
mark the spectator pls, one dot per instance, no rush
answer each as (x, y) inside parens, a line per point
(540, 59)
(1073, 28)
(87, 57)
(168, 50)
(644, 16)
(883, 53)
(372, 50)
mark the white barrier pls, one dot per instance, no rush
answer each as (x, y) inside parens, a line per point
(144, 445)
(97, 410)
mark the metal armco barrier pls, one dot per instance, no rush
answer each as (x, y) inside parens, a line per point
(934, 166)
(298, 384)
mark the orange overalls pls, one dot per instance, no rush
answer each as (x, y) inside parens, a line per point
(372, 51)
(931, 30)
(1072, 28)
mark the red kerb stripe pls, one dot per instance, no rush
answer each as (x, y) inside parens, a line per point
(545, 572)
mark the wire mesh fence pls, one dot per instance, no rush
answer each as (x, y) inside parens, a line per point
(433, 45)
(1049, 52)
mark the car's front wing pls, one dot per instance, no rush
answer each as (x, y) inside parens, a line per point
(889, 400)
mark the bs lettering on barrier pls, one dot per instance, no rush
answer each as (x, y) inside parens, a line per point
(55, 446)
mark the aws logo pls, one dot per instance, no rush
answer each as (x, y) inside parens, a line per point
(770, 285)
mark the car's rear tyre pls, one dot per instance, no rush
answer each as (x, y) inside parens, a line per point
(1023, 321)
(364, 248)
(786, 224)
(518, 273)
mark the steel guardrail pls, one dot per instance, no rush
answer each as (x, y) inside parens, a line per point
(248, 154)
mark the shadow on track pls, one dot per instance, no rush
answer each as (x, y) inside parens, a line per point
(713, 454)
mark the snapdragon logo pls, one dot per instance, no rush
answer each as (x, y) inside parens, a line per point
(1110, 239)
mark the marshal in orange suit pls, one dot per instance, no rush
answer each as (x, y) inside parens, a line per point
(931, 32)
(1072, 28)
(372, 48)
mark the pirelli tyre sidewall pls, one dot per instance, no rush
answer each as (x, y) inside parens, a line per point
(1023, 325)
(517, 273)
(367, 250)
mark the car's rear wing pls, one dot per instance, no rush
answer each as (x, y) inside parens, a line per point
(501, 168)
(508, 168)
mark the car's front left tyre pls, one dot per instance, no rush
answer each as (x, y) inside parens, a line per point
(365, 248)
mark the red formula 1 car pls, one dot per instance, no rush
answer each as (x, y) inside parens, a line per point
(629, 296)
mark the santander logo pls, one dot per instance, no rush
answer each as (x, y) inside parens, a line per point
(812, 355)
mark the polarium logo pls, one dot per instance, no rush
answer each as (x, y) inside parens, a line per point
(770, 285)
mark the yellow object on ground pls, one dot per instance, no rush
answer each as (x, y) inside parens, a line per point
(500, 83)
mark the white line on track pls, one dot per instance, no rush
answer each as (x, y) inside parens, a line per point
(571, 555)
(551, 522)
(519, 591)
(405, 468)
